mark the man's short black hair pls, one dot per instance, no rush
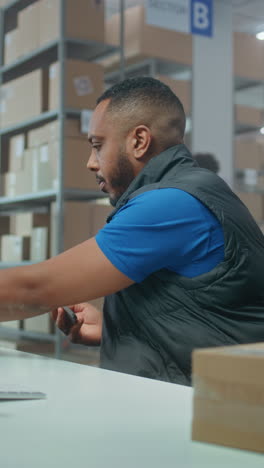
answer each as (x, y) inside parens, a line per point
(150, 93)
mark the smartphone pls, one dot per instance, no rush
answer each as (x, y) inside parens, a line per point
(70, 317)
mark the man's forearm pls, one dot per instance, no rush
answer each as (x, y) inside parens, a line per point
(78, 275)
(18, 297)
(10, 311)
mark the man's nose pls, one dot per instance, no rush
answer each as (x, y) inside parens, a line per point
(92, 163)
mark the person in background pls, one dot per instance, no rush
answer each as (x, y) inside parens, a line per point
(180, 260)
(207, 161)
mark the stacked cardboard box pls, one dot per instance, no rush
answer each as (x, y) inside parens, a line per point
(84, 20)
(248, 57)
(249, 160)
(15, 249)
(249, 153)
(249, 116)
(81, 221)
(19, 240)
(11, 46)
(33, 160)
(143, 40)
(255, 204)
(4, 3)
(39, 24)
(44, 145)
(83, 84)
(228, 404)
(15, 105)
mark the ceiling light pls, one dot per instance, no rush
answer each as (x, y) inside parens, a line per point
(262, 130)
(260, 36)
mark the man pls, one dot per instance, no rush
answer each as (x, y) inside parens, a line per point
(181, 260)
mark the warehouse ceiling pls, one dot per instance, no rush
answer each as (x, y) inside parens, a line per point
(248, 15)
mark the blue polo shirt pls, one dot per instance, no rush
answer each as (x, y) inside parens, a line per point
(164, 228)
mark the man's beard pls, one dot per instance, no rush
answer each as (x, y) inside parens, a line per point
(122, 178)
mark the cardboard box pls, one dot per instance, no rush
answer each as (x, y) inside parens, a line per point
(248, 56)
(44, 169)
(76, 174)
(255, 204)
(248, 116)
(77, 225)
(4, 225)
(182, 89)
(20, 182)
(11, 46)
(15, 249)
(84, 20)
(143, 40)
(228, 404)
(9, 181)
(82, 220)
(39, 244)
(15, 105)
(24, 224)
(38, 324)
(50, 132)
(248, 154)
(17, 145)
(98, 216)
(4, 3)
(83, 84)
(28, 25)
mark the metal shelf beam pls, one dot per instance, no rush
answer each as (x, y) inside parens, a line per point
(31, 123)
(47, 54)
(10, 333)
(44, 198)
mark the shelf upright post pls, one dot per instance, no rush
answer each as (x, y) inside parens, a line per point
(122, 41)
(61, 117)
(153, 68)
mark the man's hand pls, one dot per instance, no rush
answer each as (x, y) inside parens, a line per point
(88, 329)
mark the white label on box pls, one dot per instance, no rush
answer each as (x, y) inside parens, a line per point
(12, 178)
(20, 146)
(85, 120)
(7, 92)
(35, 170)
(55, 184)
(17, 245)
(44, 154)
(174, 14)
(83, 85)
(251, 177)
(8, 39)
(53, 71)
(2, 107)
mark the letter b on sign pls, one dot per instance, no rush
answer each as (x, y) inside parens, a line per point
(202, 17)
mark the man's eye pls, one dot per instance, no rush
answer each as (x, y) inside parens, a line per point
(97, 147)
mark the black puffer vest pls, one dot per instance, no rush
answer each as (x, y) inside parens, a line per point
(151, 328)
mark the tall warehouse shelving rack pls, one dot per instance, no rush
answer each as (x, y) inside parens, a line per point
(60, 49)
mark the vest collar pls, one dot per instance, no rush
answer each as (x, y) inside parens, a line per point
(155, 170)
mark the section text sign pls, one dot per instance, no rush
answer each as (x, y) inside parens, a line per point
(188, 16)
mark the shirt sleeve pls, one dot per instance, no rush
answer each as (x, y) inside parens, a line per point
(164, 228)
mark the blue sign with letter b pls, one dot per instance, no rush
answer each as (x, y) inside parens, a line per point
(202, 17)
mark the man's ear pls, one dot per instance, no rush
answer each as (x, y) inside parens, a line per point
(140, 141)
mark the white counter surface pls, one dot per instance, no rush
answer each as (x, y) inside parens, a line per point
(100, 419)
